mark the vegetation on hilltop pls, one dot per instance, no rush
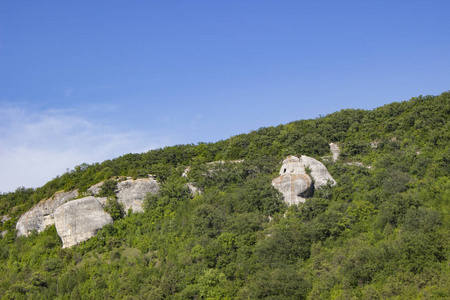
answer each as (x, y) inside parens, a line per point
(379, 233)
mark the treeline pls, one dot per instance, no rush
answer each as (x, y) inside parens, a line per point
(381, 232)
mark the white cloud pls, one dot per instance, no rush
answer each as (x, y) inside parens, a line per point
(68, 92)
(37, 146)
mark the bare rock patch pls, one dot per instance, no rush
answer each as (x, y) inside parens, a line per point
(294, 181)
(79, 220)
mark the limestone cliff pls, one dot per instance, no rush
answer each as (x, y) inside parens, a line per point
(79, 220)
(131, 193)
(42, 214)
(294, 181)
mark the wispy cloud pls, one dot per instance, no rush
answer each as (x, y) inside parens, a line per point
(123, 83)
(68, 92)
(36, 146)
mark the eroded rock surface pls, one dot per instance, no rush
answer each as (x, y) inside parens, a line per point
(95, 189)
(294, 187)
(131, 193)
(294, 182)
(79, 220)
(319, 172)
(42, 214)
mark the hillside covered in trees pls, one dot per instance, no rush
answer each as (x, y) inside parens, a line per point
(383, 231)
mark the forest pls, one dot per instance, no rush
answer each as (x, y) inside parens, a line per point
(382, 232)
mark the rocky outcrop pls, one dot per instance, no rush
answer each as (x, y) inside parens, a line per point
(95, 189)
(193, 189)
(131, 193)
(79, 220)
(221, 162)
(318, 171)
(357, 163)
(3, 219)
(334, 148)
(42, 214)
(185, 173)
(294, 187)
(294, 181)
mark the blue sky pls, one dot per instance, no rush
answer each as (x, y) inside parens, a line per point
(86, 81)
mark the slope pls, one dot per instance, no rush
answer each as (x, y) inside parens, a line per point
(381, 232)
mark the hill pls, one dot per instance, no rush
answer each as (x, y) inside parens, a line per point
(381, 232)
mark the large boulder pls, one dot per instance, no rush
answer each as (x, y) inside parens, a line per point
(42, 214)
(131, 193)
(319, 172)
(298, 178)
(79, 220)
(294, 187)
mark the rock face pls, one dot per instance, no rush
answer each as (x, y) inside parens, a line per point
(42, 214)
(79, 220)
(95, 189)
(131, 193)
(294, 182)
(319, 172)
(294, 187)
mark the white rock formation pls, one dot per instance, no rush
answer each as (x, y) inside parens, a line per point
(95, 189)
(221, 162)
(294, 182)
(294, 187)
(193, 189)
(319, 172)
(357, 163)
(42, 214)
(79, 220)
(335, 151)
(131, 193)
(186, 171)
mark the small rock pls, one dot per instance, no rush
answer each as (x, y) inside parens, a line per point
(186, 171)
(193, 189)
